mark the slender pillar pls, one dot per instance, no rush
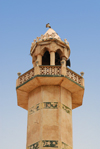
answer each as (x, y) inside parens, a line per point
(64, 61)
(63, 66)
(39, 59)
(52, 58)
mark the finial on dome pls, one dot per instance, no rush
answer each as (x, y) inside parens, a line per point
(48, 25)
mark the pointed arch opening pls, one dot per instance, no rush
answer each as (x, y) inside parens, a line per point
(57, 59)
(46, 58)
(58, 54)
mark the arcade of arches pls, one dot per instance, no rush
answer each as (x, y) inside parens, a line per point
(46, 58)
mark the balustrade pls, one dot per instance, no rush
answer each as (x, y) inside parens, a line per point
(26, 76)
(74, 76)
(50, 70)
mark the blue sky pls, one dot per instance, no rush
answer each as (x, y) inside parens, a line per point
(21, 22)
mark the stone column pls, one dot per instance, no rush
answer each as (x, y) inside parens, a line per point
(64, 61)
(39, 59)
(52, 58)
(36, 68)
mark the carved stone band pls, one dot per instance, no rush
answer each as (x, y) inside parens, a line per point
(49, 105)
(49, 143)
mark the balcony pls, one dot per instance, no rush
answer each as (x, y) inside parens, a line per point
(54, 71)
(50, 75)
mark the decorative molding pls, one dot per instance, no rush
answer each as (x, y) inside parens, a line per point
(49, 143)
(44, 43)
(34, 146)
(65, 108)
(35, 108)
(60, 44)
(49, 105)
(65, 146)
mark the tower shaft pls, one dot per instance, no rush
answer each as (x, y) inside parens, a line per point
(49, 118)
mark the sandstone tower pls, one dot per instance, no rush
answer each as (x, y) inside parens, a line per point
(49, 91)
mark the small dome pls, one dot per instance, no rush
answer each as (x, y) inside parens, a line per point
(51, 34)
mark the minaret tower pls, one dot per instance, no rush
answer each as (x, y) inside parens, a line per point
(49, 91)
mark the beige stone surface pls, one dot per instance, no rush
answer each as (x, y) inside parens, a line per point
(47, 120)
(71, 86)
(63, 71)
(50, 124)
(77, 98)
(39, 59)
(66, 97)
(35, 97)
(22, 99)
(37, 70)
(66, 128)
(34, 128)
(50, 80)
(51, 93)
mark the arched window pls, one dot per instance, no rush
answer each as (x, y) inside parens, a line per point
(57, 59)
(46, 58)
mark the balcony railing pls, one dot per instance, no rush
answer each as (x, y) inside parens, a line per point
(26, 76)
(74, 76)
(49, 70)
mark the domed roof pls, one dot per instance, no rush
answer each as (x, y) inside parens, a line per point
(51, 34)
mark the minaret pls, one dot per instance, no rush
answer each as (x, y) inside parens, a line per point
(49, 91)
